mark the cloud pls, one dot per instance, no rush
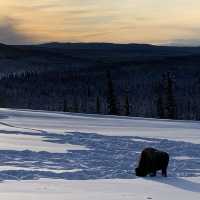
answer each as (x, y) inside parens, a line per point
(106, 20)
(185, 42)
(9, 33)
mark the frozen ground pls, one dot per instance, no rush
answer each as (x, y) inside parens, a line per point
(74, 156)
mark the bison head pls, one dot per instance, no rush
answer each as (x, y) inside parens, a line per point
(140, 172)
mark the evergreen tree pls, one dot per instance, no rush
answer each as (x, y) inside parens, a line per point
(98, 106)
(75, 105)
(65, 106)
(166, 104)
(159, 99)
(160, 108)
(111, 99)
(2, 102)
(170, 106)
(88, 91)
(127, 106)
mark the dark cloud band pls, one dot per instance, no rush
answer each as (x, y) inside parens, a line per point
(9, 33)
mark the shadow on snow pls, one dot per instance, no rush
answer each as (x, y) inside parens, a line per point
(107, 157)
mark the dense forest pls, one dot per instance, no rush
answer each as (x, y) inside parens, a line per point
(133, 92)
(134, 80)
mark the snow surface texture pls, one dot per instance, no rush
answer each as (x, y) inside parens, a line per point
(137, 189)
(80, 151)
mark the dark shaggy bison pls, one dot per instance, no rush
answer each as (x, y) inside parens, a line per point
(152, 160)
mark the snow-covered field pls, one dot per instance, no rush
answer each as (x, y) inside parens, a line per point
(63, 156)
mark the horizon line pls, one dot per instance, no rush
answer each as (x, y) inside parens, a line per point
(105, 43)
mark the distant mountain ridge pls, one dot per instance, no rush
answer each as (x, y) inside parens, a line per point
(55, 56)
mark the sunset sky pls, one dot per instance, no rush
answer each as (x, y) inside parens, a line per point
(120, 21)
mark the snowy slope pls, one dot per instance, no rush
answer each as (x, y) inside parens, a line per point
(75, 156)
(117, 126)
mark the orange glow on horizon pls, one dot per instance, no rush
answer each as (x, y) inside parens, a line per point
(144, 21)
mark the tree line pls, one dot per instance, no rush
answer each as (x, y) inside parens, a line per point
(130, 92)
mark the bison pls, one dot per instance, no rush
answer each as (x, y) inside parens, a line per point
(152, 160)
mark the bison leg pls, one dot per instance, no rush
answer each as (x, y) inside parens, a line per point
(164, 172)
(153, 174)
